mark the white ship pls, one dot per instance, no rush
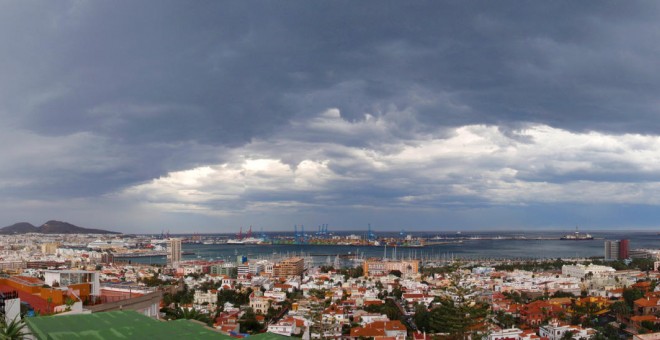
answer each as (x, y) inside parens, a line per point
(577, 236)
(245, 240)
(248, 240)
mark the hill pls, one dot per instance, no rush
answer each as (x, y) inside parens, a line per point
(51, 227)
(19, 228)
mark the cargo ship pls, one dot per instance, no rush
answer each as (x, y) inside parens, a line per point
(577, 236)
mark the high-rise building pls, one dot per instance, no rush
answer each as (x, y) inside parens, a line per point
(616, 250)
(623, 249)
(294, 266)
(173, 252)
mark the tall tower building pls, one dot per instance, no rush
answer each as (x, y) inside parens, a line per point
(623, 249)
(611, 250)
(616, 250)
(173, 252)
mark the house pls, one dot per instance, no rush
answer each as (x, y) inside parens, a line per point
(210, 297)
(536, 312)
(513, 334)
(259, 303)
(646, 306)
(555, 331)
(412, 298)
(288, 326)
(380, 330)
(637, 320)
(334, 314)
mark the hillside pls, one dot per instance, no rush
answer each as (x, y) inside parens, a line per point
(51, 227)
(19, 228)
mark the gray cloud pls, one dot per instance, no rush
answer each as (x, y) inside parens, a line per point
(98, 98)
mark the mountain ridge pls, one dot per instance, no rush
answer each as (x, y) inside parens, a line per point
(51, 227)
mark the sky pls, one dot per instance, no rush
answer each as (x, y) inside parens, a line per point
(208, 116)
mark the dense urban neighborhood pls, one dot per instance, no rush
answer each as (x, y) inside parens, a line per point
(342, 298)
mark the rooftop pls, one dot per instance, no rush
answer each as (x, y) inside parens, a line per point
(113, 325)
(123, 325)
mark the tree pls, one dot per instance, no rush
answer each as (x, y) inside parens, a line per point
(421, 317)
(568, 335)
(192, 314)
(397, 292)
(561, 294)
(388, 308)
(632, 294)
(249, 323)
(272, 312)
(457, 319)
(506, 320)
(620, 310)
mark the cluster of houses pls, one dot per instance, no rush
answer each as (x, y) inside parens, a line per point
(291, 298)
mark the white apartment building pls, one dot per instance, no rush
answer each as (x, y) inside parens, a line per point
(555, 331)
(580, 270)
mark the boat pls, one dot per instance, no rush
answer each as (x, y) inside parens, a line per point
(245, 240)
(248, 240)
(577, 236)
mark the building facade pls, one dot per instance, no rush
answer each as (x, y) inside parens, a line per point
(294, 266)
(616, 250)
(173, 252)
(378, 267)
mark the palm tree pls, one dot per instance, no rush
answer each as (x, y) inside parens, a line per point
(191, 314)
(12, 330)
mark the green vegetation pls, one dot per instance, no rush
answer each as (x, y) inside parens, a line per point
(183, 296)
(460, 319)
(317, 293)
(388, 308)
(607, 333)
(236, 298)
(12, 330)
(153, 281)
(421, 317)
(188, 314)
(354, 272)
(630, 295)
(249, 323)
(396, 273)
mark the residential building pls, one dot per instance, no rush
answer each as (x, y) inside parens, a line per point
(210, 297)
(173, 252)
(580, 270)
(380, 329)
(49, 248)
(294, 266)
(221, 268)
(259, 303)
(555, 331)
(616, 250)
(378, 267)
(648, 305)
(64, 278)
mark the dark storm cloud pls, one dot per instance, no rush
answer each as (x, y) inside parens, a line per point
(96, 97)
(226, 72)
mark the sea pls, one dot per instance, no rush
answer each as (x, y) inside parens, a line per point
(473, 245)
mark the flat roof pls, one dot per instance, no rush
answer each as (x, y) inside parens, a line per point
(116, 325)
(70, 271)
(123, 325)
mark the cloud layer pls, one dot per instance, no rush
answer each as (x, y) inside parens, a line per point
(473, 166)
(172, 114)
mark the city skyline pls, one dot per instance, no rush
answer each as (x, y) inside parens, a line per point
(204, 117)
